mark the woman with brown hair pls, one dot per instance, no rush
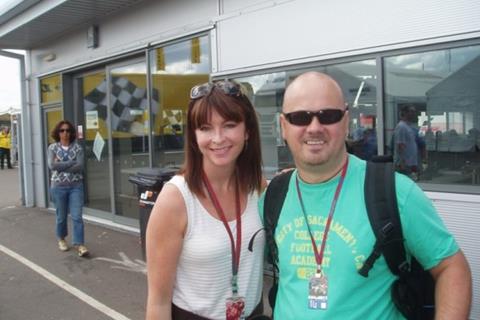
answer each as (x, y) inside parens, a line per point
(198, 263)
(65, 160)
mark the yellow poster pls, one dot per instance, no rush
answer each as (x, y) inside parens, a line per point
(51, 89)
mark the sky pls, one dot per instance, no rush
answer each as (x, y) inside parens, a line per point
(9, 83)
(9, 71)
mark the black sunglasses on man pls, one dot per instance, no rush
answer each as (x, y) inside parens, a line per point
(325, 116)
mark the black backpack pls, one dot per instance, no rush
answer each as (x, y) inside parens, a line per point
(413, 290)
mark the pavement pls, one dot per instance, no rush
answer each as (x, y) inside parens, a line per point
(37, 281)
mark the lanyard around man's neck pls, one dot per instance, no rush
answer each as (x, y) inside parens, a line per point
(319, 254)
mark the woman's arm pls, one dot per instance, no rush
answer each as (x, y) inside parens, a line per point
(164, 240)
(77, 164)
(50, 157)
(54, 163)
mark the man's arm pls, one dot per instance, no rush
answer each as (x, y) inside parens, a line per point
(453, 288)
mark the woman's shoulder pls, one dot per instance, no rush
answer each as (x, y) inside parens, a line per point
(170, 193)
(53, 146)
(178, 181)
(171, 198)
(169, 211)
(76, 145)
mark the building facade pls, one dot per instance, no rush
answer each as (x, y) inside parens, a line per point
(121, 71)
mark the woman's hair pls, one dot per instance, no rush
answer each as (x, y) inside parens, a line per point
(56, 131)
(236, 108)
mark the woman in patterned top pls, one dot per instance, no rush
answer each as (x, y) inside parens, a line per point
(65, 160)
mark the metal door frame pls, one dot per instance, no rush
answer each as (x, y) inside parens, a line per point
(108, 215)
(140, 59)
(45, 135)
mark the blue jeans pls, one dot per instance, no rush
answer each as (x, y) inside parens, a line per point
(69, 199)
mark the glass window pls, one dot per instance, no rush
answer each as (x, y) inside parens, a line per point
(358, 81)
(266, 93)
(176, 68)
(129, 126)
(432, 115)
(91, 99)
(51, 89)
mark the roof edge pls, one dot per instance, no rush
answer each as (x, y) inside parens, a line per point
(16, 10)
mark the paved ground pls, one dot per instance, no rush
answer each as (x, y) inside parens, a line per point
(37, 281)
(111, 284)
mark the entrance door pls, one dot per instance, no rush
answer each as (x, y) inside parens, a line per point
(91, 101)
(51, 116)
(129, 126)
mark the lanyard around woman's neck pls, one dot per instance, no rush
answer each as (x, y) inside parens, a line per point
(235, 249)
(319, 255)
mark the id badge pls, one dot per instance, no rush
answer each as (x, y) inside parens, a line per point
(235, 308)
(318, 292)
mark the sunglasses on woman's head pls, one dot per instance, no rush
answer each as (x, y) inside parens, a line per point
(64, 130)
(228, 87)
(304, 118)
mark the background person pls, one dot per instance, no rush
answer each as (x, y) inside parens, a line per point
(65, 160)
(407, 143)
(328, 185)
(189, 244)
(5, 146)
(363, 143)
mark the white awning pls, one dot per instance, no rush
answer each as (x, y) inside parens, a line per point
(30, 23)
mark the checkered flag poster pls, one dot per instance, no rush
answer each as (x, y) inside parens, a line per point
(173, 121)
(128, 102)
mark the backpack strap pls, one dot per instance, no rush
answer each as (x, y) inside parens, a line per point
(382, 208)
(272, 206)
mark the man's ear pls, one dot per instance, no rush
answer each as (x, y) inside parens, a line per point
(346, 118)
(282, 126)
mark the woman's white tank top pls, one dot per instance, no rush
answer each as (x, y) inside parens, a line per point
(204, 270)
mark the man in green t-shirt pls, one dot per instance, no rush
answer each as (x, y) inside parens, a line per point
(323, 233)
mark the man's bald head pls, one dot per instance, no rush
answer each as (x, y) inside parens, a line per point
(318, 149)
(312, 87)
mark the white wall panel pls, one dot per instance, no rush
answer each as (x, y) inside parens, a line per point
(302, 29)
(230, 6)
(463, 220)
(152, 21)
(37, 146)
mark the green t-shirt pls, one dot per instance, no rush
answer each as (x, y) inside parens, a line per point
(350, 242)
